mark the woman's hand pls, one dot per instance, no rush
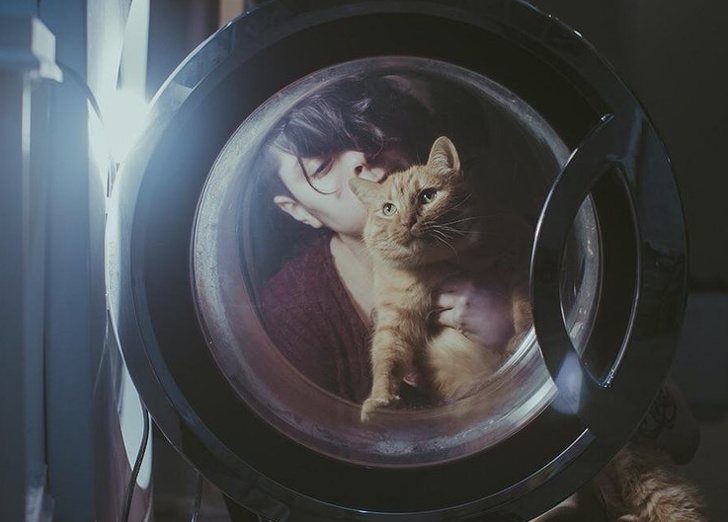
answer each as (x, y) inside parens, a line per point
(481, 312)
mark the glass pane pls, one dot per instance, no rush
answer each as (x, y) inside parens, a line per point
(592, 250)
(580, 277)
(284, 250)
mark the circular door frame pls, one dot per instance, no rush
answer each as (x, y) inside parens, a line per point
(148, 272)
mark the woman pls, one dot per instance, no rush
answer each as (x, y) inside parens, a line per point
(317, 307)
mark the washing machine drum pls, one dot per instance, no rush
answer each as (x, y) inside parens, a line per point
(225, 261)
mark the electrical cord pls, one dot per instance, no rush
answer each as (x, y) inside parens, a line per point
(137, 466)
(198, 498)
(69, 71)
(88, 93)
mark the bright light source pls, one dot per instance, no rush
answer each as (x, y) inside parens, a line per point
(119, 85)
(569, 382)
(124, 113)
(124, 116)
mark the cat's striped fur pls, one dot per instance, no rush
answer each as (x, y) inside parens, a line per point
(640, 484)
(424, 224)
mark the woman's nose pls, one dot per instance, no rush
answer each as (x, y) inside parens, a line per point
(376, 174)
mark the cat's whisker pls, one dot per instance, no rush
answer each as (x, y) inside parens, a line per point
(461, 220)
(453, 230)
(493, 214)
(442, 238)
(461, 202)
(447, 244)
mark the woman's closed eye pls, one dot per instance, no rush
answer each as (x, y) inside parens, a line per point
(317, 169)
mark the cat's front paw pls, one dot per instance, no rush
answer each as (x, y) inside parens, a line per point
(376, 403)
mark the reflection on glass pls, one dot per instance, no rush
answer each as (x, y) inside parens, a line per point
(284, 283)
(580, 276)
(600, 338)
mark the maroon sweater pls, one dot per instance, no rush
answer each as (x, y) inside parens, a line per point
(311, 319)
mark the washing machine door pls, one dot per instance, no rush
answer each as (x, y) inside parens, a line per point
(197, 240)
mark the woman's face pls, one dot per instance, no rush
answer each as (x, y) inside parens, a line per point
(326, 194)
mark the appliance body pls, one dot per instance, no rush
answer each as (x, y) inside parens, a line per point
(167, 223)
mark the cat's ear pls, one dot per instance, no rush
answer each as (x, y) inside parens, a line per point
(443, 156)
(369, 192)
(297, 211)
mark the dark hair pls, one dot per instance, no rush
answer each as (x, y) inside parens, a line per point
(371, 115)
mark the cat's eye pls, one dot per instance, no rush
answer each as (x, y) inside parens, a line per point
(388, 209)
(427, 195)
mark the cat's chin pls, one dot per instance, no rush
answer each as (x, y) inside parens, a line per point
(415, 253)
(400, 257)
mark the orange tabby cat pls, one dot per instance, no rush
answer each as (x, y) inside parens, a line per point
(425, 224)
(640, 484)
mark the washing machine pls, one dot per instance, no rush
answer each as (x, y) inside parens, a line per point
(546, 128)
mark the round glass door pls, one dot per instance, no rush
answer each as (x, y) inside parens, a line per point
(241, 261)
(306, 371)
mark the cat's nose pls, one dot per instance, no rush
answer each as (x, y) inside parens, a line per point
(407, 221)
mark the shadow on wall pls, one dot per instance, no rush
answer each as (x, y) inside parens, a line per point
(668, 52)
